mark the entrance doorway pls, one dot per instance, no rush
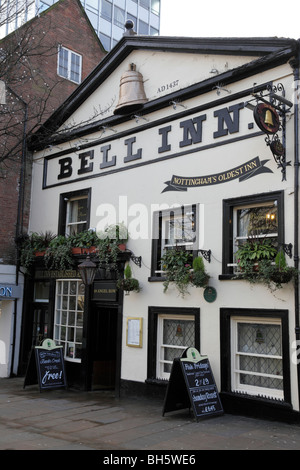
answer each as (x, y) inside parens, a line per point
(41, 324)
(104, 347)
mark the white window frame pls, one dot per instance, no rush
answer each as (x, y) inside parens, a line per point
(59, 325)
(236, 238)
(69, 70)
(174, 215)
(161, 347)
(235, 355)
(69, 224)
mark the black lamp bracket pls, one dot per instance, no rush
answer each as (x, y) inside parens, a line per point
(206, 254)
(136, 259)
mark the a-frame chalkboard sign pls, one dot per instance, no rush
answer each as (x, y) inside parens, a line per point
(46, 366)
(192, 385)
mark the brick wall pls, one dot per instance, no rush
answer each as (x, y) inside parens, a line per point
(65, 23)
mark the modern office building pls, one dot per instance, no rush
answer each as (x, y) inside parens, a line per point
(107, 16)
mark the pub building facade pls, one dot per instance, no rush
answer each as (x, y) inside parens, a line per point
(195, 152)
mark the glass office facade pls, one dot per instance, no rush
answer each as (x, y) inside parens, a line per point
(107, 16)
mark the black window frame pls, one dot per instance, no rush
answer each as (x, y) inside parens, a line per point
(153, 314)
(226, 354)
(158, 217)
(63, 201)
(228, 208)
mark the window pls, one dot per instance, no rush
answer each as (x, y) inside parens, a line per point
(257, 357)
(142, 27)
(174, 335)
(106, 10)
(145, 4)
(257, 217)
(155, 6)
(105, 40)
(173, 228)
(74, 213)
(68, 321)
(41, 291)
(69, 65)
(255, 353)
(119, 17)
(170, 332)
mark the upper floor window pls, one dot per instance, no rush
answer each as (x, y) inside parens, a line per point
(176, 227)
(258, 218)
(106, 10)
(74, 212)
(119, 17)
(69, 65)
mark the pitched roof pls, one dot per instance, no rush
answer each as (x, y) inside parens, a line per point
(271, 52)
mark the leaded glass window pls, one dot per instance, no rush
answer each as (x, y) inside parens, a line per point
(175, 334)
(257, 357)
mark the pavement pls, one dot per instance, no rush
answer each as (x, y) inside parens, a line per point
(66, 419)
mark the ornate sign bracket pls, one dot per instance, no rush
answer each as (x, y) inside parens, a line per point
(270, 116)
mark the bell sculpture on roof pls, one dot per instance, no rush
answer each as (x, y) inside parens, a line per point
(132, 95)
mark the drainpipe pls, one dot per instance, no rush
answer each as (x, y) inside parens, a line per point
(19, 223)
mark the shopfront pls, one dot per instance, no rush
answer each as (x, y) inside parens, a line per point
(192, 172)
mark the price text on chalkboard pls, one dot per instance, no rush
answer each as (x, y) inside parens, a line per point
(201, 387)
(192, 385)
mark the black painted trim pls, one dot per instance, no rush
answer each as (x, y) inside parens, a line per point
(153, 313)
(63, 207)
(228, 207)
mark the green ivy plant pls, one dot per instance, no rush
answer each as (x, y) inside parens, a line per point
(31, 244)
(261, 262)
(84, 239)
(59, 255)
(109, 242)
(128, 283)
(176, 265)
(199, 276)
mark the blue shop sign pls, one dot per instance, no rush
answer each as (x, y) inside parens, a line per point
(9, 291)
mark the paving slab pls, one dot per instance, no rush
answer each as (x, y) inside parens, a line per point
(69, 420)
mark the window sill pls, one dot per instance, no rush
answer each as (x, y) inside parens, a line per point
(155, 279)
(227, 277)
(160, 382)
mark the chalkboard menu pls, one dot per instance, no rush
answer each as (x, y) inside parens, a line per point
(192, 385)
(46, 367)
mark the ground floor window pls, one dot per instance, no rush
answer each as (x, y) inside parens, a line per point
(254, 353)
(170, 332)
(174, 335)
(68, 319)
(257, 356)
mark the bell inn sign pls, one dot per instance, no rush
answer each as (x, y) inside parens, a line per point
(123, 150)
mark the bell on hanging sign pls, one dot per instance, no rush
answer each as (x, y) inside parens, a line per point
(266, 118)
(132, 96)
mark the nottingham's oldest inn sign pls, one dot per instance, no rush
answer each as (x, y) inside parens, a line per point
(123, 150)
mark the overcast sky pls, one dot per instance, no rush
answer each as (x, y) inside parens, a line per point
(230, 18)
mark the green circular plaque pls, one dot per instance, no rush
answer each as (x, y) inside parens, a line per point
(210, 294)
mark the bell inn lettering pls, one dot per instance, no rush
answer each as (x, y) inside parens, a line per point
(150, 144)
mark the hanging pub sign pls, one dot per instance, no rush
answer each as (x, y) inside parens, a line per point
(46, 366)
(192, 385)
(266, 118)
